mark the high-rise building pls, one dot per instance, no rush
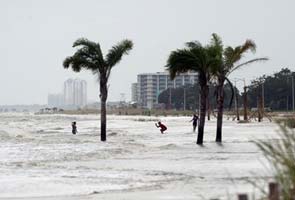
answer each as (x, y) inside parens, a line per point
(134, 92)
(69, 92)
(150, 85)
(75, 92)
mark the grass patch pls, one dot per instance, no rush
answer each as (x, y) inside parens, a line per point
(287, 122)
(281, 155)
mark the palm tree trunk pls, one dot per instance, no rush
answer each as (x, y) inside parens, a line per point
(220, 100)
(204, 94)
(208, 108)
(103, 117)
(103, 122)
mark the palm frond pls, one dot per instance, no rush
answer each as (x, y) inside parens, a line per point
(193, 44)
(91, 47)
(78, 63)
(248, 45)
(214, 56)
(116, 52)
(67, 62)
(233, 55)
(181, 61)
(248, 62)
(216, 41)
(228, 55)
(85, 53)
(84, 42)
(232, 92)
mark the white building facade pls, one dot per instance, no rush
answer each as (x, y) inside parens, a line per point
(134, 96)
(150, 85)
(75, 93)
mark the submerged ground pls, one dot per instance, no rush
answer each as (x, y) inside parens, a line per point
(41, 159)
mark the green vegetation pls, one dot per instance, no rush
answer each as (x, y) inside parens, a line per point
(89, 56)
(280, 84)
(281, 155)
(287, 122)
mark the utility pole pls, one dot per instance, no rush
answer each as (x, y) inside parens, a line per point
(262, 96)
(287, 103)
(245, 102)
(184, 100)
(170, 98)
(293, 93)
(236, 102)
(259, 107)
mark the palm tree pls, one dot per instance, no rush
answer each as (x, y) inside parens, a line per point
(231, 56)
(89, 56)
(200, 59)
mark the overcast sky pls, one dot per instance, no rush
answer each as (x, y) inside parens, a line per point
(36, 35)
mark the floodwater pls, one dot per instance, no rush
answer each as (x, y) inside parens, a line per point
(41, 159)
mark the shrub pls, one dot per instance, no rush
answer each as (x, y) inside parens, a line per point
(289, 122)
(281, 155)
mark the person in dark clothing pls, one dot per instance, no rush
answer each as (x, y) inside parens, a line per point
(195, 122)
(74, 128)
(162, 126)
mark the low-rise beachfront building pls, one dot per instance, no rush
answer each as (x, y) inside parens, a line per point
(150, 85)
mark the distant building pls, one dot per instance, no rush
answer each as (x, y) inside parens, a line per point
(150, 85)
(75, 92)
(134, 92)
(55, 100)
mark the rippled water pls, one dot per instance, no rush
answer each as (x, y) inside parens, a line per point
(40, 158)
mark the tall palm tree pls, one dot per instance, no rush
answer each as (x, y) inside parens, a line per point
(89, 56)
(231, 56)
(200, 59)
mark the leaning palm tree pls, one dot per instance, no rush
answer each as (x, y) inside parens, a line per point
(200, 59)
(89, 56)
(231, 56)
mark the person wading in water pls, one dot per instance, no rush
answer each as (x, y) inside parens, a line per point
(195, 122)
(74, 128)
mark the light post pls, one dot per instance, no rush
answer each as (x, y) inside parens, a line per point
(245, 102)
(184, 100)
(236, 102)
(262, 96)
(169, 98)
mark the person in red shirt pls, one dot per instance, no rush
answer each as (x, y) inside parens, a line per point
(162, 126)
